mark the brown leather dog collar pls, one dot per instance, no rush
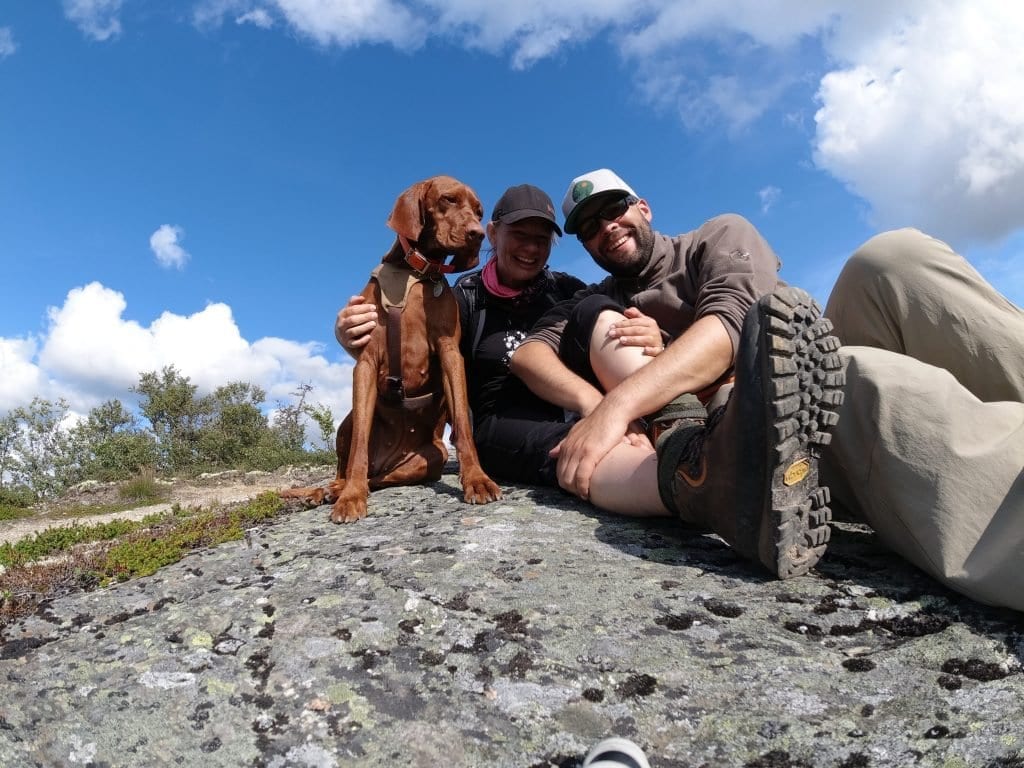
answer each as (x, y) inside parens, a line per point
(420, 264)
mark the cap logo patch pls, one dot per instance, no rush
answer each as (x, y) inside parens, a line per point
(582, 189)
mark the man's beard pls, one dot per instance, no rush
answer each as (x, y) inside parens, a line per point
(644, 238)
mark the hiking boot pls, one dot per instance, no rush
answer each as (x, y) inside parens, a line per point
(685, 407)
(751, 473)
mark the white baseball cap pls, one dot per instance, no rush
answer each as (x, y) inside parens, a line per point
(600, 182)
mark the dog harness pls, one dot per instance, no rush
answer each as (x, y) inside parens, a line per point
(395, 283)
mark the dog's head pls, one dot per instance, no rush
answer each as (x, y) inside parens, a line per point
(442, 216)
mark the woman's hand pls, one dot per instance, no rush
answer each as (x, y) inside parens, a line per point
(354, 323)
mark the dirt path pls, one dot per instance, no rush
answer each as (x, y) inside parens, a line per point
(208, 490)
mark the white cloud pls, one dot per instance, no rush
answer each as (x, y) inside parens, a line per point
(327, 22)
(97, 19)
(770, 23)
(92, 353)
(917, 107)
(530, 29)
(919, 115)
(20, 378)
(769, 197)
(350, 22)
(211, 13)
(7, 44)
(164, 244)
(924, 120)
(257, 17)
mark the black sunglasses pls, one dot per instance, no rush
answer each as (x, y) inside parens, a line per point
(610, 212)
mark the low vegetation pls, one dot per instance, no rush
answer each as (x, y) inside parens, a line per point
(12, 512)
(15, 503)
(143, 489)
(62, 559)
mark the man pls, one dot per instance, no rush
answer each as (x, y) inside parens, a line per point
(930, 447)
(755, 351)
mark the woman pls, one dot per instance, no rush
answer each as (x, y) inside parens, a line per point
(514, 429)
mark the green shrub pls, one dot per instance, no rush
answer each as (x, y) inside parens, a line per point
(60, 539)
(17, 496)
(264, 507)
(140, 557)
(11, 512)
(143, 488)
(145, 552)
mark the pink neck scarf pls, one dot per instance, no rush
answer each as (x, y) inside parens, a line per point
(493, 284)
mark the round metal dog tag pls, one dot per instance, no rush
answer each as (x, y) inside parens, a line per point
(438, 288)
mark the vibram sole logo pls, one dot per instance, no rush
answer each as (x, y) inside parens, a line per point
(796, 471)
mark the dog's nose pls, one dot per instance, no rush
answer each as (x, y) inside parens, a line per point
(475, 233)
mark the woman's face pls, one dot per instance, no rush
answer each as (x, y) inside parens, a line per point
(521, 250)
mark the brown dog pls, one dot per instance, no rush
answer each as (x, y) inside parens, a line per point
(409, 380)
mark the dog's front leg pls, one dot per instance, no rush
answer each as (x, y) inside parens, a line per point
(351, 502)
(477, 487)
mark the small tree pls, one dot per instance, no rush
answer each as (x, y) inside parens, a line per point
(324, 419)
(175, 414)
(288, 420)
(8, 447)
(40, 453)
(235, 427)
(110, 445)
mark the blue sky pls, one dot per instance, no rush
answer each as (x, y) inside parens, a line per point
(204, 183)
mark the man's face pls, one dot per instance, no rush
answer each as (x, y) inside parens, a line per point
(620, 244)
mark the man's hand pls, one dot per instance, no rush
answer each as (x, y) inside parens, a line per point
(589, 440)
(637, 436)
(638, 330)
(354, 323)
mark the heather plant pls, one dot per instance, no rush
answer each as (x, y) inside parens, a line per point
(86, 556)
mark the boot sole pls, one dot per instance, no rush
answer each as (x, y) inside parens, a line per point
(803, 381)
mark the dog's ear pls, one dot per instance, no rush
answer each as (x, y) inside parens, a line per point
(407, 216)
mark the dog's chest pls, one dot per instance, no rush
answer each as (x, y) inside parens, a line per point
(415, 316)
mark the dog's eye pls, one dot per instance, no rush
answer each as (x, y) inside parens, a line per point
(448, 199)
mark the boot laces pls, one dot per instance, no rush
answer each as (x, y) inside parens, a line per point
(695, 447)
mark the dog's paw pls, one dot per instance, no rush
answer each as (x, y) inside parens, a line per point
(308, 497)
(480, 489)
(333, 491)
(348, 510)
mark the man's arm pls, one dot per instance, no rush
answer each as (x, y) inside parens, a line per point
(694, 361)
(691, 363)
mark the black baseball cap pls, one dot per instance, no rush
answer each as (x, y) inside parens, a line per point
(525, 201)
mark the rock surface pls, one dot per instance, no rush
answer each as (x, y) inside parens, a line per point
(435, 633)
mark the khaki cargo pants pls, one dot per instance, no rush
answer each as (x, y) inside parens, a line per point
(929, 448)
